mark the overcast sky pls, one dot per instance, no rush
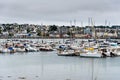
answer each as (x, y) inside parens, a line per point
(60, 12)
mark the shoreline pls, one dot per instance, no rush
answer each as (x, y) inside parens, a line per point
(54, 38)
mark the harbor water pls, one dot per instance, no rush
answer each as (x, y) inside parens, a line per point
(50, 66)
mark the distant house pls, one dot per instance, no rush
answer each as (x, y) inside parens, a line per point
(80, 35)
(21, 35)
(100, 34)
(88, 30)
(54, 34)
(65, 35)
(106, 32)
(33, 34)
(24, 31)
(5, 34)
(63, 29)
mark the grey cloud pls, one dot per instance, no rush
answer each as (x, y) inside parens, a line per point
(59, 10)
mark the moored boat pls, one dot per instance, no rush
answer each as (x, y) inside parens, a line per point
(90, 52)
(46, 48)
(66, 53)
(91, 55)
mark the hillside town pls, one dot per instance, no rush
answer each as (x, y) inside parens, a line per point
(54, 31)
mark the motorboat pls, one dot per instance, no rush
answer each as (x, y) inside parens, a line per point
(91, 53)
(45, 47)
(67, 51)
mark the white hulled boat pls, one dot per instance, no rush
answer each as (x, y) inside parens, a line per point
(91, 53)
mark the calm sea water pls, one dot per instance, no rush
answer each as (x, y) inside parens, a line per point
(49, 66)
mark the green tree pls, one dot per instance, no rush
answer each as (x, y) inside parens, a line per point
(0, 30)
(68, 33)
(53, 28)
(38, 32)
(28, 30)
(11, 34)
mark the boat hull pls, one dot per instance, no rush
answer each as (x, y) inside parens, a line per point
(43, 49)
(66, 53)
(69, 54)
(91, 55)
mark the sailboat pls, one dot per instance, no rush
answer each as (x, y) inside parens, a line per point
(90, 51)
(68, 49)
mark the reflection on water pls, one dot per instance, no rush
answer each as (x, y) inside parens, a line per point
(49, 66)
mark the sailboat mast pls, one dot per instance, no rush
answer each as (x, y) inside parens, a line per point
(93, 29)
